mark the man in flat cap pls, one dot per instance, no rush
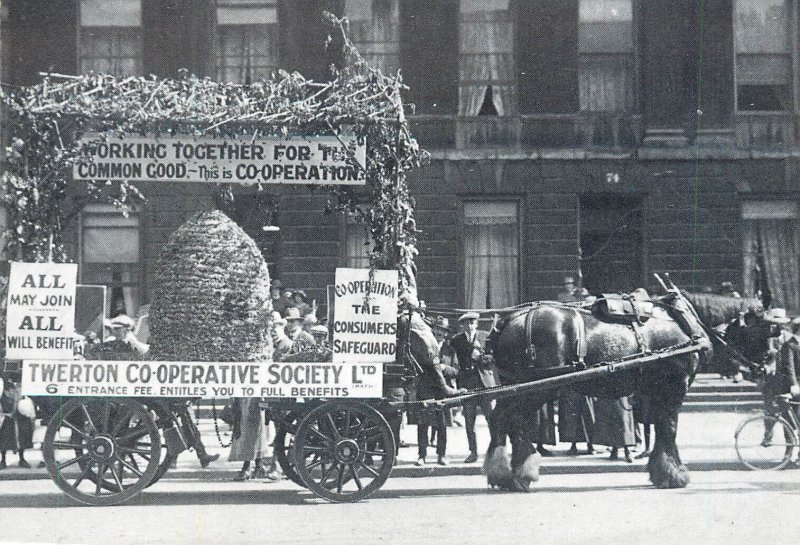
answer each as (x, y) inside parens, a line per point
(475, 373)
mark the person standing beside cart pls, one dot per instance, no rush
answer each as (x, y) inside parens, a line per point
(429, 388)
(474, 373)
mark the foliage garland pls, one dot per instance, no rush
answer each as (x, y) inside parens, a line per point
(47, 120)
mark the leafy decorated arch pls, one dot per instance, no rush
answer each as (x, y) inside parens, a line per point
(47, 120)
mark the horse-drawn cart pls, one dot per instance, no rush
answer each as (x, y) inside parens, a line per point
(104, 451)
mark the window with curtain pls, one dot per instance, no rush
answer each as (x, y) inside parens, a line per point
(357, 244)
(374, 26)
(248, 40)
(605, 55)
(771, 252)
(763, 55)
(486, 59)
(110, 37)
(110, 256)
(491, 254)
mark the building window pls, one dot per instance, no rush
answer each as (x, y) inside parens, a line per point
(491, 254)
(772, 253)
(763, 55)
(248, 40)
(258, 215)
(486, 60)
(110, 256)
(605, 48)
(110, 37)
(357, 244)
(374, 28)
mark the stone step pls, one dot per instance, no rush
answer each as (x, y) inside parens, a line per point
(721, 406)
(723, 396)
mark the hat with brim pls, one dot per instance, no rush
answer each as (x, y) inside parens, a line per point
(442, 323)
(469, 316)
(319, 330)
(277, 319)
(120, 321)
(293, 313)
(310, 319)
(277, 284)
(777, 316)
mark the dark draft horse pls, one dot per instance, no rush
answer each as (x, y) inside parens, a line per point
(535, 343)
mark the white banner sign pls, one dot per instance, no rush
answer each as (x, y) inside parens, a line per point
(40, 316)
(365, 316)
(319, 160)
(201, 379)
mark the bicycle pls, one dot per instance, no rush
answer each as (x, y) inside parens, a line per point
(758, 443)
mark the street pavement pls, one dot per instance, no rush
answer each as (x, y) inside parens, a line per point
(705, 441)
(730, 507)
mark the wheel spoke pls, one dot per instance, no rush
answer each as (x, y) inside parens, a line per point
(106, 415)
(326, 473)
(319, 434)
(135, 463)
(61, 445)
(116, 478)
(88, 418)
(83, 474)
(101, 469)
(74, 428)
(340, 480)
(347, 423)
(71, 462)
(375, 453)
(137, 433)
(336, 433)
(140, 451)
(129, 466)
(355, 476)
(310, 448)
(368, 468)
(122, 421)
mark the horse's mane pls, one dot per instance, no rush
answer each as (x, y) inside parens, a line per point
(714, 309)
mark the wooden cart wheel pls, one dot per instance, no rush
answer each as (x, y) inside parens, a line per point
(283, 446)
(102, 451)
(344, 451)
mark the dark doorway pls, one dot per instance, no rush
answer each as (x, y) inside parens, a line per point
(611, 242)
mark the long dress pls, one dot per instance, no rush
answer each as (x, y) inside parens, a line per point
(250, 440)
(16, 431)
(575, 417)
(614, 425)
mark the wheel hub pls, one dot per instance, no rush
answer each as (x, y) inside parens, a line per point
(101, 448)
(346, 451)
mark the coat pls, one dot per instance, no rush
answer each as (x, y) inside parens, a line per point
(614, 425)
(788, 364)
(473, 373)
(16, 431)
(575, 417)
(249, 431)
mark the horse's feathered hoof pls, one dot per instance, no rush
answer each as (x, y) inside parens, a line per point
(666, 472)
(526, 473)
(497, 468)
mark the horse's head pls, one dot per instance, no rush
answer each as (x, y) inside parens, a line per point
(416, 336)
(714, 310)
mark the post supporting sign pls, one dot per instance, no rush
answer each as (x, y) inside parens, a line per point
(200, 379)
(319, 160)
(365, 316)
(40, 318)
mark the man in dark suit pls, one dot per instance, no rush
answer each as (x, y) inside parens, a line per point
(475, 373)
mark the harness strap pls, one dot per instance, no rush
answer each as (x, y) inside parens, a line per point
(530, 351)
(641, 340)
(580, 341)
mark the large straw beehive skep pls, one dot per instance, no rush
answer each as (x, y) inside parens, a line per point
(211, 301)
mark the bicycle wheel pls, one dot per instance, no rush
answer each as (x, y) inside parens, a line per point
(765, 442)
